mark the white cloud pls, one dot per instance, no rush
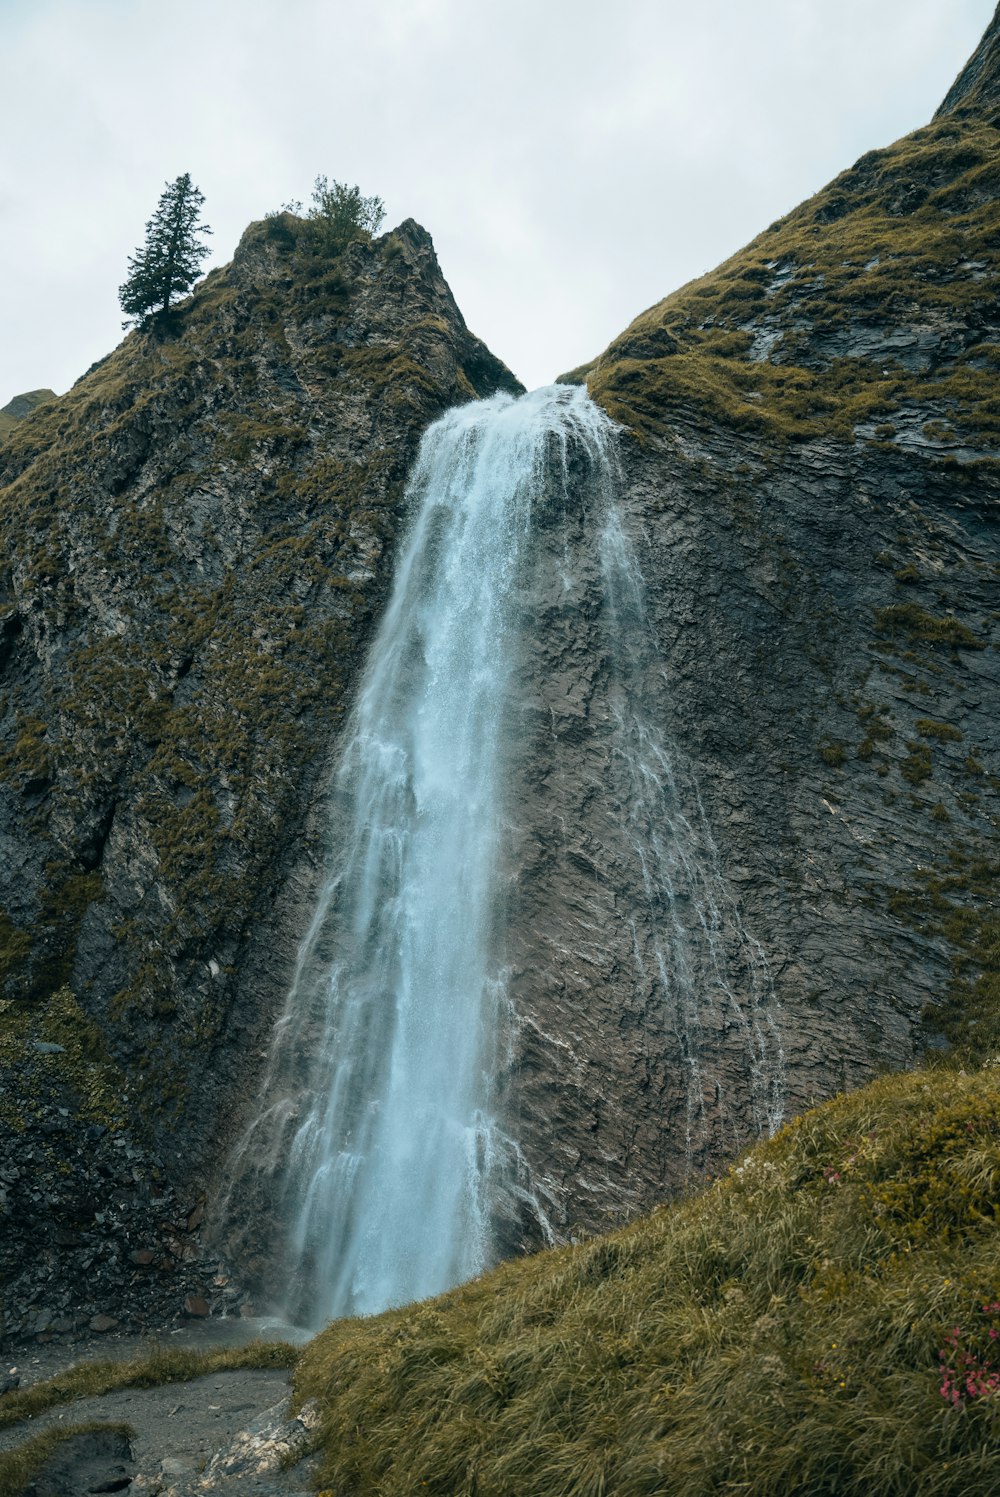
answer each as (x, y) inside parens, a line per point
(573, 161)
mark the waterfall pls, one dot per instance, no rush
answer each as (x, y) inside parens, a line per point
(379, 1130)
(383, 1057)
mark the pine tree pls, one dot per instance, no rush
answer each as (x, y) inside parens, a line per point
(167, 265)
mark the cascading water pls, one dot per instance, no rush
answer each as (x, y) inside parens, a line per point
(379, 1128)
(391, 1155)
(699, 940)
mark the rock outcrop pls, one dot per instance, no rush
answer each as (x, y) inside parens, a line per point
(193, 554)
(811, 474)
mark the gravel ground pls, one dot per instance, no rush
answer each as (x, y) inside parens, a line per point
(179, 1428)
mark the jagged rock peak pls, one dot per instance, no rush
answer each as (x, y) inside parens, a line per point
(21, 406)
(199, 532)
(978, 84)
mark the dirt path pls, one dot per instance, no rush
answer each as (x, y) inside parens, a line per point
(186, 1434)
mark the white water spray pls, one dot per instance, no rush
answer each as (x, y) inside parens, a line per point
(392, 1151)
(379, 1125)
(706, 962)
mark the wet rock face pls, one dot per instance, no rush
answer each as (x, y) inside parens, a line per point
(829, 640)
(196, 540)
(825, 672)
(810, 481)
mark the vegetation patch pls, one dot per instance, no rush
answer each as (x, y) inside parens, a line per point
(943, 732)
(800, 1326)
(959, 900)
(172, 1365)
(788, 337)
(918, 765)
(833, 754)
(54, 1050)
(914, 624)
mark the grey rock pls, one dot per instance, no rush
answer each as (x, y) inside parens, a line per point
(98, 1461)
(274, 1441)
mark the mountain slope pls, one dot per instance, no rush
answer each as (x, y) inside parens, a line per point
(22, 405)
(195, 542)
(811, 472)
(870, 312)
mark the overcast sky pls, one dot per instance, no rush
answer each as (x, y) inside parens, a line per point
(575, 160)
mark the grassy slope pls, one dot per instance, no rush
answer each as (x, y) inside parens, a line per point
(21, 406)
(781, 1332)
(888, 244)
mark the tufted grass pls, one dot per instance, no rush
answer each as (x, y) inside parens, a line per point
(907, 237)
(152, 1370)
(781, 1332)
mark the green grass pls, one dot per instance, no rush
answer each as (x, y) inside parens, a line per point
(174, 1365)
(781, 1332)
(19, 1466)
(886, 245)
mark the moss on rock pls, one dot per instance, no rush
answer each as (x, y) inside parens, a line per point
(861, 305)
(195, 543)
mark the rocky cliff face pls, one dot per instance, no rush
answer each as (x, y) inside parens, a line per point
(197, 540)
(193, 545)
(811, 456)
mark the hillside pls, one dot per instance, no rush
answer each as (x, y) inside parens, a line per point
(22, 405)
(192, 540)
(810, 461)
(823, 1319)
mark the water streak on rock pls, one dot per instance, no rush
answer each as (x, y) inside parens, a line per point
(706, 961)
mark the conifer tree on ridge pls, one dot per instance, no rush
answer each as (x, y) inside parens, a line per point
(167, 265)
